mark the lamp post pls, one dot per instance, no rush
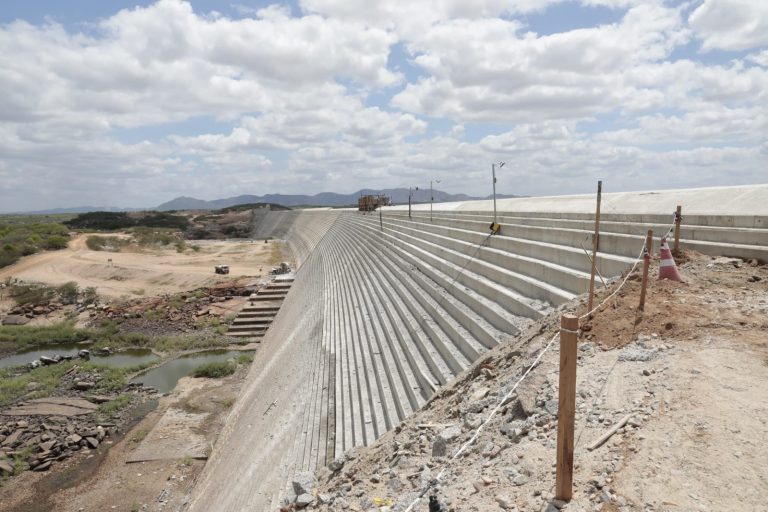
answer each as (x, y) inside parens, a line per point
(493, 173)
(431, 198)
(410, 194)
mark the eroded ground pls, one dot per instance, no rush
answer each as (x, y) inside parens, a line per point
(103, 480)
(146, 272)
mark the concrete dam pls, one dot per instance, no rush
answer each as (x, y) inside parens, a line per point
(388, 306)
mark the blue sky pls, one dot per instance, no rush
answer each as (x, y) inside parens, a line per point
(134, 103)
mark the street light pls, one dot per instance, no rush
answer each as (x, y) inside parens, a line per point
(431, 198)
(493, 172)
(410, 193)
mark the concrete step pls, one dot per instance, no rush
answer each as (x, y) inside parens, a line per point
(241, 319)
(246, 334)
(528, 276)
(574, 258)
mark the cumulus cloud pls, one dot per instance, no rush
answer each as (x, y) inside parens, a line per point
(731, 24)
(488, 70)
(275, 101)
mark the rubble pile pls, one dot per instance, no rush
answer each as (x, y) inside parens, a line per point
(173, 313)
(37, 441)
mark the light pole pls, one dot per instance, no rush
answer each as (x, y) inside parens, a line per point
(410, 193)
(493, 172)
(431, 198)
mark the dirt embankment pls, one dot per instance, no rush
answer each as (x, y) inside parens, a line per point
(689, 374)
(136, 272)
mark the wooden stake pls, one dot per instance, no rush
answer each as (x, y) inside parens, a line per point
(678, 218)
(646, 264)
(595, 245)
(381, 221)
(566, 407)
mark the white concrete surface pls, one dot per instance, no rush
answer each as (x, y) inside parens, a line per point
(385, 309)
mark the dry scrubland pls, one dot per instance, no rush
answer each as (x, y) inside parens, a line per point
(136, 271)
(153, 290)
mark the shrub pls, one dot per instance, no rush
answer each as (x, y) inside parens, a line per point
(105, 243)
(89, 295)
(245, 359)
(56, 242)
(68, 291)
(31, 294)
(214, 370)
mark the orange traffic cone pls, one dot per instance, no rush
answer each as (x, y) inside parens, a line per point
(667, 267)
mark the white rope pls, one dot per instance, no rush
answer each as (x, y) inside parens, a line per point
(639, 258)
(482, 426)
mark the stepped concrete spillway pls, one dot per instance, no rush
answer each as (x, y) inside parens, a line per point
(385, 308)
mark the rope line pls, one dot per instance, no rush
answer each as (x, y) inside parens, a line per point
(601, 304)
(482, 425)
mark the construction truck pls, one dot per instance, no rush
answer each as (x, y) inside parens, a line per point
(369, 203)
(221, 269)
(284, 268)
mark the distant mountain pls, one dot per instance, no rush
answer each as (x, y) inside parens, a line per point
(397, 195)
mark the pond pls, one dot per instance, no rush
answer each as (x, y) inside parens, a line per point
(164, 377)
(122, 359)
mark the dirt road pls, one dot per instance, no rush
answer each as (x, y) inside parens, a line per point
(137, 272)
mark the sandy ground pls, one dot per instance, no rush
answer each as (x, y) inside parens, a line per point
(147, 272)
(103, 480)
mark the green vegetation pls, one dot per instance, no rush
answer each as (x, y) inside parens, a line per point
(20, 459)
(245, 359)
(236, 231)
(112, 221)
(17, 240)
(251, 206)
(31, 294)
(147, 237)
(15, 383)
(140, 434)
(18, 337)
(215, 370)
(113, 406)
(106, 243)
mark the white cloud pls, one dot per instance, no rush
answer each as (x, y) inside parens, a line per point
(731, 24)
(305, 101)
(487, 70)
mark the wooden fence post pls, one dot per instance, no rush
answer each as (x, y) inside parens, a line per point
(595, 246)
(678, 219)
(566, 408)
(646, 263)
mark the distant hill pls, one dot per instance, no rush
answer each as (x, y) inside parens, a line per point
(398, 196)
(83, 209)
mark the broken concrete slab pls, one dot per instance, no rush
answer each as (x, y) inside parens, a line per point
(52, 407)
(175, 436)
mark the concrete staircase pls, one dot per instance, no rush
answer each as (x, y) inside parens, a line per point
(256, 317)
(387, 309)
